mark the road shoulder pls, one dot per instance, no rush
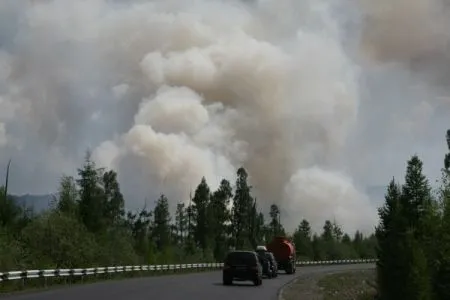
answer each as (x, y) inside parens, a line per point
(340, 285)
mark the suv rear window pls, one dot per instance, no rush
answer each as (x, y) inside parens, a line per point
(241, 258)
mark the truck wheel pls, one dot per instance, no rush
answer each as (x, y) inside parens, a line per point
(289, 269)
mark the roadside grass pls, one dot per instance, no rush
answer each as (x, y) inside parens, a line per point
(41, 284)
(354, 285)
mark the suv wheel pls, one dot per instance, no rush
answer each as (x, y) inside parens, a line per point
(227, 281)
(257, 281)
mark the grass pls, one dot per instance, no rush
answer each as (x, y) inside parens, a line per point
(355, 285)
(35, 284)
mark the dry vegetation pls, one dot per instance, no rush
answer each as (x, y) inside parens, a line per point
(354, 285)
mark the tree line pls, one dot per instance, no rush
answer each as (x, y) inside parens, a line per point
(414, 236)
(87, 225)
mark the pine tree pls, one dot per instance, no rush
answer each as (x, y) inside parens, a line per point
(327, 234)
(91, 195)
(161, 228)
(242, 205)
(220, 216)
(346, 239)
(252, 232)
(114, 204)
(422, 211)
(337, 231)
(403, 270)
(302, 240)
(68, 196)
(442, 239)
(201, 216)
(391, 265)
(140, 227)
(417, 285)
(260, 229)
(305, 229)
(416, 196)
(181, 222)
(442, 281)
(275, 225)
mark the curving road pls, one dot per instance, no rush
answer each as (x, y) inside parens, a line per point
(201, 286)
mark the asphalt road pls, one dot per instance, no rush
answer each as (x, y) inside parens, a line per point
(199, 286)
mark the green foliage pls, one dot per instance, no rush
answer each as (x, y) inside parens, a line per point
(202, 216)
(57, 240)
(241, 211)
(414, 237)
(88, 226)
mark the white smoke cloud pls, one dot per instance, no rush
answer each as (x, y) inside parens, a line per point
(310, 192)
(169, 91)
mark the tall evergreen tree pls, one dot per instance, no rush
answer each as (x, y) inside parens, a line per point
(422, 213)
(114, 205)
(327, 234)
(201, 203)
(391, 233)
(337, 232)
(68, 195)
(91, 195)
(140, 226)
(305, 229)
(260, 229)
(442, 279)
(181, 222)
(220, 216)
(161, 227)
(242, 205)
(417, 284)
(275, 225)
(253, 223)
(416, 196)
(302, 240)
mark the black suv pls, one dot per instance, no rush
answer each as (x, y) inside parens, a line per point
(242, 265)
(274, 263)
(269, 265)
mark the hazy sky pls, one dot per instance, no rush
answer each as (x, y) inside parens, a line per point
(317, 99)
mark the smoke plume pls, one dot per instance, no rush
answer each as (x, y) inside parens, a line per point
(166, 92)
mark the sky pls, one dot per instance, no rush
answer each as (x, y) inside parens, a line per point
(318, 100)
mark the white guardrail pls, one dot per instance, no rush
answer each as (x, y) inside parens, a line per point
(29, 274)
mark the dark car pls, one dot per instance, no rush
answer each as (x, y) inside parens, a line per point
(265, 263)
(273, 263)
(242, 266)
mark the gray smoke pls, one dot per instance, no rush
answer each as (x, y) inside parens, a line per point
(169, 91)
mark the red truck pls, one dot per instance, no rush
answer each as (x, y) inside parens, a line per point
(284, 251)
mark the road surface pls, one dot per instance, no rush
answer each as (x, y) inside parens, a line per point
(197, 286)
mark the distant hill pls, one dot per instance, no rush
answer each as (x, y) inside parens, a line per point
(38, 203)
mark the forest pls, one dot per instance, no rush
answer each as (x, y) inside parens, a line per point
(88, 226)
(413, 236)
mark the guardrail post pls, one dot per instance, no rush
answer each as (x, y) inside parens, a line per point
(23, 275)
